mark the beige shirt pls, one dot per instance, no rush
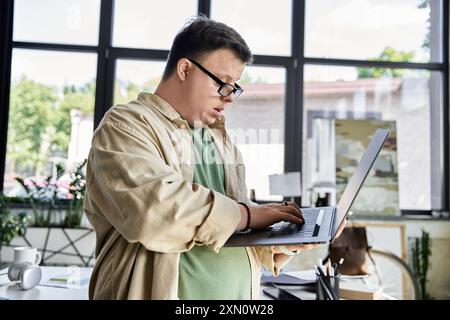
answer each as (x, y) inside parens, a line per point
(145, 209)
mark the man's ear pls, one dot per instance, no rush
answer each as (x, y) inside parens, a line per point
(183, 67)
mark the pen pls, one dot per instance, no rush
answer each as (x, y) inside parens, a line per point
(320, 265)
(326, 284)
(59, 279)
(335, 267)
(339, 264)
(329, 267)
(325, 288)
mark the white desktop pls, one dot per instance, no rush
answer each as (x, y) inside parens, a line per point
(57, 283)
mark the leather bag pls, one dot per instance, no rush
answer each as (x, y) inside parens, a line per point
(352, 245)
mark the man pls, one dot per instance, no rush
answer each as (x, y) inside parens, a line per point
(165, 185)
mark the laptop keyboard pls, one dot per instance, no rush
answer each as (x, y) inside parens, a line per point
(294, 230)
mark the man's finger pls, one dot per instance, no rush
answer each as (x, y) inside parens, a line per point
(291, 210)
(309, 246)
(293, 204)
(292, 218)
(302, 247)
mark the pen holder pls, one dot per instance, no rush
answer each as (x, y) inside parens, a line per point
(323, 286)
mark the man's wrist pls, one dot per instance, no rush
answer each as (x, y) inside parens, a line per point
(247, 216)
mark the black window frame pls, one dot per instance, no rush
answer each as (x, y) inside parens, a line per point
(107, 55)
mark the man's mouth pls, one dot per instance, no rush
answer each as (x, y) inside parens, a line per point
(219, 110)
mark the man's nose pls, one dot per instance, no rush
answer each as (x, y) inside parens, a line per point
(229, 98)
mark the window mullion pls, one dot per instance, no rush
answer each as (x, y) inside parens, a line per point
(104, 89)
(6, 25)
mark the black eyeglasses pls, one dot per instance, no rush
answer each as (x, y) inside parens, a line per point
(225, 89)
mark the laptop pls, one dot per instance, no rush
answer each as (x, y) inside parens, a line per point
(321, 223)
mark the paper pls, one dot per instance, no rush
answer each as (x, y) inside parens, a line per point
(356, 290)
(303, 274)
(66, 281)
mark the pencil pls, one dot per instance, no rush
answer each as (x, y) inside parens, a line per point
(326, 285)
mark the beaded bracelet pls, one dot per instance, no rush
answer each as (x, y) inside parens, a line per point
(249, 217)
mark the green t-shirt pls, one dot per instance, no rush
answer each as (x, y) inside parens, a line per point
(203, 273)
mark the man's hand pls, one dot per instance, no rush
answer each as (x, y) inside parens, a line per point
(265, 215)
(296, 247)
(310, 246)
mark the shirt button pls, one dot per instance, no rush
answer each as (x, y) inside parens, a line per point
(182, 126)
(188, 162)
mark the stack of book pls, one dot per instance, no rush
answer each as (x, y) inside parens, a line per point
(355, 290)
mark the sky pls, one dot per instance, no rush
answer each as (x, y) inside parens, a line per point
(354, 29)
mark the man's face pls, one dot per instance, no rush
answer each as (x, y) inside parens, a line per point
(203, 103)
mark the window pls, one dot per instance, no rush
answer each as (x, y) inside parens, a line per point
(405, 30)
(395, 35)
(265, 25)
(401, 96)
(149, 24)
(56, 21)
(51, 113)
(317, 64)
(134, 76)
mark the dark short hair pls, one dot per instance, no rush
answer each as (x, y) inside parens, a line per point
(202, 35)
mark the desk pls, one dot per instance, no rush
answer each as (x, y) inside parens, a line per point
(14, 292)
(304, 292)
(43, 292)
(351, 287)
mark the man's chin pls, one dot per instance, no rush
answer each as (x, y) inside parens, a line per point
(206, 121)
(209, 121)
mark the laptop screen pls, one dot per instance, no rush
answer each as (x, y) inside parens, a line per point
(358, 177)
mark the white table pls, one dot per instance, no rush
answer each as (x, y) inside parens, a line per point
(42, 291)
(12, 291)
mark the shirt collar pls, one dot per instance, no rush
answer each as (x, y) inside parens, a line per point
(169, 111)
(160, 104)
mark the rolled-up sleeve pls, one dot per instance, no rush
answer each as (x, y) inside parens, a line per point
(148, 201)
(274, 262)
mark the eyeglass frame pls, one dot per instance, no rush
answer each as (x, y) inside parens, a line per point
(237, 89)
